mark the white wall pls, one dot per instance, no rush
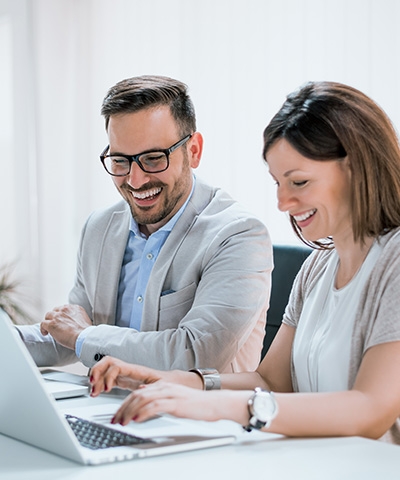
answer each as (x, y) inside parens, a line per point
(9, 168)
(239, 57)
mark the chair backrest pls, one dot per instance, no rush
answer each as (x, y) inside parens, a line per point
(287, 260)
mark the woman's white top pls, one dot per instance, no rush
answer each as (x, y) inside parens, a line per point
(321, 350)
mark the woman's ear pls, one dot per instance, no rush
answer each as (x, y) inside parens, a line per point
(347, 166)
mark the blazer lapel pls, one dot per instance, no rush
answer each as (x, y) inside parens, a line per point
(111, 255)
(201, 197)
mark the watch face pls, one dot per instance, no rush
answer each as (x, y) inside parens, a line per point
(263, 406)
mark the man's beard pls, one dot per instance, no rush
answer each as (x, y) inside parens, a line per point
(143, 215)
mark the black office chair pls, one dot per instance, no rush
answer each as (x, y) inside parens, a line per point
(288, 260)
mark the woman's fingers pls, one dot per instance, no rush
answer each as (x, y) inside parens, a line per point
(146, 403)
(161, 397)
(104, 375)
(184, 402)
(110, 372)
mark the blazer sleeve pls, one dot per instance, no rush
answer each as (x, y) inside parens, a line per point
(44, 350)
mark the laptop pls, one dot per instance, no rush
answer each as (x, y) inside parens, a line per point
(30, 414)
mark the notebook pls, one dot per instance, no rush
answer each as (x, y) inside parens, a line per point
(65, 385)
(30, 414)
(61, 390)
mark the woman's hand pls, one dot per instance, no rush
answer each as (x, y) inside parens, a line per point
(110, 372)
(180, 401)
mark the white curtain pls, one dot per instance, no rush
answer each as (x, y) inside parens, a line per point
(239, 57)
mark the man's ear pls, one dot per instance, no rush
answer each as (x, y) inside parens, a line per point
(195, 149)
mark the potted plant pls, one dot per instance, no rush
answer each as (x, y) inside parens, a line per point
(9, 296)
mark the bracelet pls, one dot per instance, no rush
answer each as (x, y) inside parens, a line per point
(210, 378)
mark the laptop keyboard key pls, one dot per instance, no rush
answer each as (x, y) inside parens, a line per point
(95, 436)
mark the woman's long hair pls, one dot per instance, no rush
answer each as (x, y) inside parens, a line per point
(331, 121)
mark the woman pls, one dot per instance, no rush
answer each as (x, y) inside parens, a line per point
(334, 363)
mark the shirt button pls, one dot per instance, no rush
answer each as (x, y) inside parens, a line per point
(140, 299)
(149, 256)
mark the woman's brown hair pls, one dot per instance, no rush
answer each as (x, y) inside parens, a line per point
(331, 121)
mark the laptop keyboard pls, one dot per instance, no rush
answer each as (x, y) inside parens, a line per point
(95, 436)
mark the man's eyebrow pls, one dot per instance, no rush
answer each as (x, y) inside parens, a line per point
(155, 149)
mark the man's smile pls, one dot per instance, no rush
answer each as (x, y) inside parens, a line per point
(147, 194)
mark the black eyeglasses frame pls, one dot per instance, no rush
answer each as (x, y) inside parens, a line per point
(135, 158)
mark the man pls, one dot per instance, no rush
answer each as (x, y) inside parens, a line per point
(177, 275)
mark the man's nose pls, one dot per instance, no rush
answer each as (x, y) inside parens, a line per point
(137, 177)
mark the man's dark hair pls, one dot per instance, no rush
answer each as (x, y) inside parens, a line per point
(138, 93)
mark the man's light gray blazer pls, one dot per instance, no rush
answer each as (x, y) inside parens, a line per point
(207, 296)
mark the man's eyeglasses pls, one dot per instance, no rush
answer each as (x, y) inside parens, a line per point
(152, 161)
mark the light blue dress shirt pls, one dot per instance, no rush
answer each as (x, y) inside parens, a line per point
(140, 255)
(139, 258)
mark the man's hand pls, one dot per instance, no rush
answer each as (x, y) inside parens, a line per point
(65, 323)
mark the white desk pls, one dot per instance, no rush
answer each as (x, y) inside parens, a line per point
(270, 458)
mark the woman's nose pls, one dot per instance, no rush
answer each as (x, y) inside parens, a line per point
(285, 199)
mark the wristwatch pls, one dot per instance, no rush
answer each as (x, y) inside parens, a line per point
(262, 409)
(210, 378)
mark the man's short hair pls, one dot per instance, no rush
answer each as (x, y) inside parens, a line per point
(138, 93)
